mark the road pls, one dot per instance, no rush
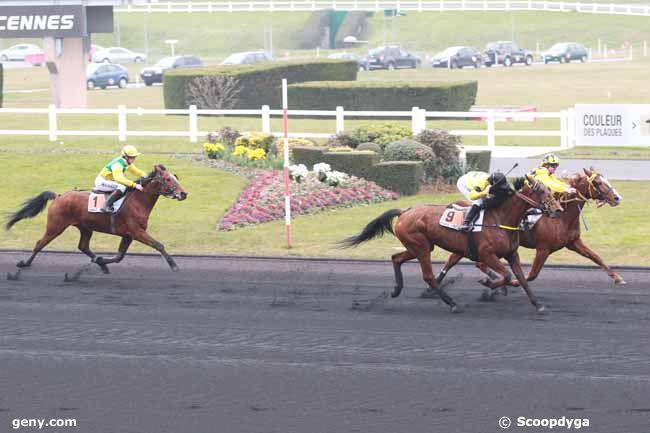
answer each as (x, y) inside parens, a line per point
(261, 345)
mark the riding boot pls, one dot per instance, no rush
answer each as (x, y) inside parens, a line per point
(108, 206)
(473, 212)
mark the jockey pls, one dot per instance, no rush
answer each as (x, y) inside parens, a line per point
(112, 178)
(476, 187)
(545, 174)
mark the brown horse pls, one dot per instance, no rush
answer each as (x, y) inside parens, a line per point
(551, 235)
(418, 229)
(71, 209)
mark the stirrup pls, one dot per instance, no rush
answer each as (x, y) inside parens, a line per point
(108, 209)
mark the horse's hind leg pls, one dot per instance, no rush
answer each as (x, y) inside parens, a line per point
(398, 259)
(52, 231)
(515, 265)
(424, 257)
(452, 260)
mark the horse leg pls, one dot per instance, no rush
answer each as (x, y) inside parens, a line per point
(424, 257)
(84, 247)
(515, 265)
(452, 260)
(538, 262)
(398, 259)
(490, 274)
(579, 247)
(51, 232)
(492, 266)
(145, 238)
(121, 252)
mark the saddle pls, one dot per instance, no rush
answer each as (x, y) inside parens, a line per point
(531, 218)
(454, 216)
(97, 198)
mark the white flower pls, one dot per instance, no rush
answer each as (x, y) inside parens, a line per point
(298, 172)
(322, 167)
(335, 178)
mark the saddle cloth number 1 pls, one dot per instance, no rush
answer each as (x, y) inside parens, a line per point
(96, 202)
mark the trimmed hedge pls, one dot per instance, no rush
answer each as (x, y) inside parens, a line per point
(382, 95)
(259, 84)
(400, 176)
(1, 83)
(403, 177)
(478, 160)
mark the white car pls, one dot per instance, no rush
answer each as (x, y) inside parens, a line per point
(19, 52)
(247, 58)
(118, 55)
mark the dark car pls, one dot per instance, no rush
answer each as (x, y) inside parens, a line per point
(564, 52)
(457, 57)
(154, 74)
(391, 57)
(362, 62)
(106, 74)
(506, 53)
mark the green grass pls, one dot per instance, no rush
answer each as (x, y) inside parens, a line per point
(189, 226)
(642, 153)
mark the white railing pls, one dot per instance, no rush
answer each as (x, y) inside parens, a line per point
(381, 5)
(417, 116)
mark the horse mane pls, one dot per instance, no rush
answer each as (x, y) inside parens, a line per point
(152, 174)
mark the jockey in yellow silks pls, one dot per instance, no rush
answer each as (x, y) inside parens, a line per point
(476, 186)
(111, 177)
(545, 174)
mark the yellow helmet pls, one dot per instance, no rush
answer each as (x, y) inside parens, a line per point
(129, 150)
(551, 159)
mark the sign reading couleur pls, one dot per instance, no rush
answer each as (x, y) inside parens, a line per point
(612, 124)
(40, 21)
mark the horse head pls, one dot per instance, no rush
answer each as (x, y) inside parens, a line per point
(163, 182)
(545, 198)
(595, 186)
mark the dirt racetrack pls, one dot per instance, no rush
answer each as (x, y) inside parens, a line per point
(261, 345)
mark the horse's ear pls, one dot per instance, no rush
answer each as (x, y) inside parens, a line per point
(587, 171)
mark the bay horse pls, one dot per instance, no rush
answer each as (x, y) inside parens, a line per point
(419, 231)
(71, 209)
(551, 235)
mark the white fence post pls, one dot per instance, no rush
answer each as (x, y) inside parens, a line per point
(266, 119)
(51, 115)
(340, 126)
(490, 129)
(423, 119)
(194, 124)
(415, 127)
(121, 122)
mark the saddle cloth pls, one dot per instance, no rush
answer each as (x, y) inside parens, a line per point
(97, 198)
(454, 216)
(530, 219)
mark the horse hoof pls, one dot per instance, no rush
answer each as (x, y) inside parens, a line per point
(504, 291)
(12, 277)
(455, 309)
(175, 268)
(67, 279)
(485, 281)
(22, 264)
(541, 309)
(620, 281)
(396, 292)
(487, 296)
(429, 294)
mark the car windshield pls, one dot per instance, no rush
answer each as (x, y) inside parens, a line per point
(92, 67)
(235, 58)
(559, 47)
(166, 62)
(449, 51)
(376, 51)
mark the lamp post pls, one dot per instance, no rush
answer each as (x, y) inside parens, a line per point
(172, 42)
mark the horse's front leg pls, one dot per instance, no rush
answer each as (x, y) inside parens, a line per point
(515, 265)
(145, 238)
(452, 260)
(579, 247)
(121, 252)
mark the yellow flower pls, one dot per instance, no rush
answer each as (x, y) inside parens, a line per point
(240, 150)
(255, 154)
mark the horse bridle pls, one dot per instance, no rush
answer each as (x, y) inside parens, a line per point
(542, 205)
(170, 190)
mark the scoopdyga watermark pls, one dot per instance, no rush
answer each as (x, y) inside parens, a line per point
(549, 423)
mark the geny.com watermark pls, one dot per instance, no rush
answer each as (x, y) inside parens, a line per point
(41, 423)
(550, 423)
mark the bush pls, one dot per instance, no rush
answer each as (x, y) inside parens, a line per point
(380, 133)
(374, 147)
(445, 148)
(256, 140)
(478, 160)
(278, 147)
(342, 139)
(382, 95)
(400, 176)
(351, 162)
(247, 86)
(308, 156)
(228, 136)
(410, 150)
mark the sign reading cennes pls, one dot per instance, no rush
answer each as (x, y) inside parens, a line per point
(41, 21)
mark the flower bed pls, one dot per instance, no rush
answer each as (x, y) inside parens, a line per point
(263, 199)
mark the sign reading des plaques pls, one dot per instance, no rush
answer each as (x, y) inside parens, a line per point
(40, 21)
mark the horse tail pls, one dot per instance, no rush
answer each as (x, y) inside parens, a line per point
(31, 208)
(375, 229)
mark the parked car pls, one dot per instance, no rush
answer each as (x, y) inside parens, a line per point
(457, 57)
(24, 53)
(362, 62)
(506, 53)
(247, 57)
(391, 57)
(103, 75)
(564, 52)
(93, 49)
(154, 74)
(118, 55)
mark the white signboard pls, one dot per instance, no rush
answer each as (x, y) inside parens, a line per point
(612, 124)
